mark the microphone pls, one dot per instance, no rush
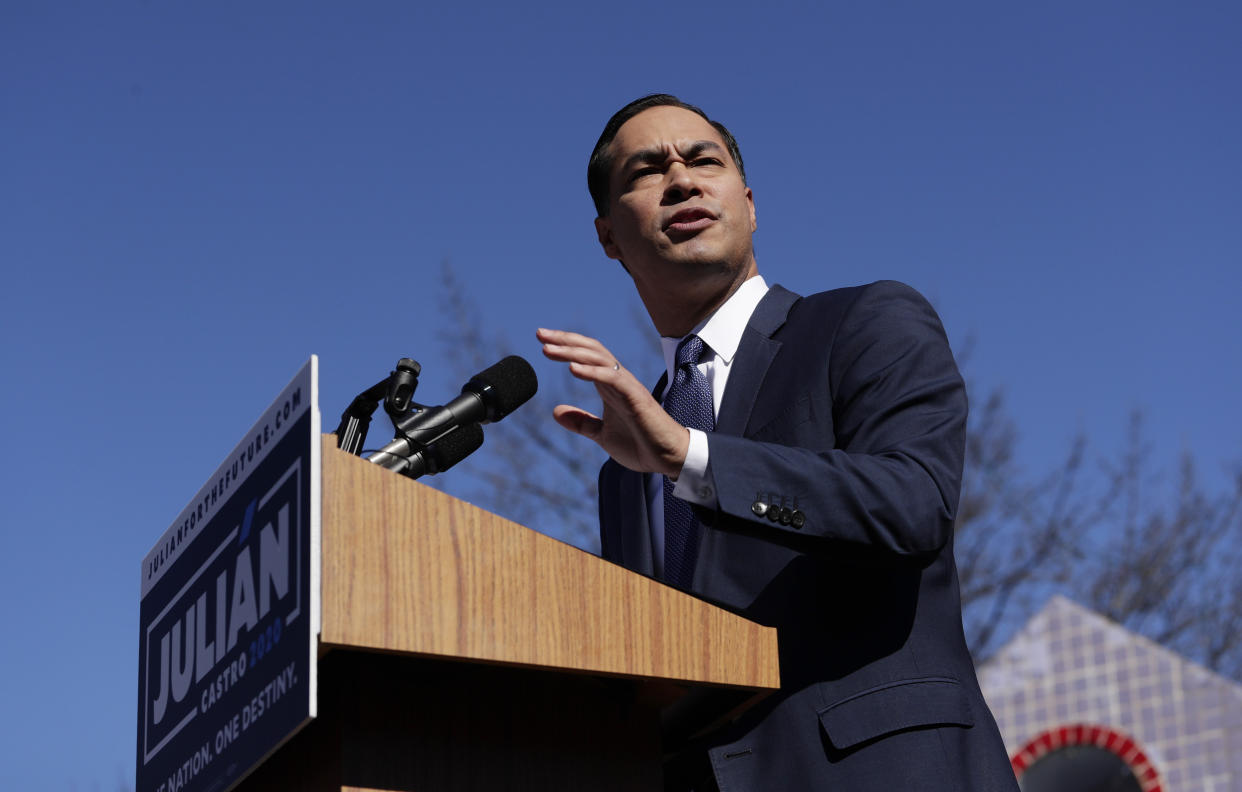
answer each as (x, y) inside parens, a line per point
(488, 397)
(444, 453)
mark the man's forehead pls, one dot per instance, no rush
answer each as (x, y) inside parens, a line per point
(662, 126)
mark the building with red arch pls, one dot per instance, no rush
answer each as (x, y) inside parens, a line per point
(1078, 697)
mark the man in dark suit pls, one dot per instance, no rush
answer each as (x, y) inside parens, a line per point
(804, 470)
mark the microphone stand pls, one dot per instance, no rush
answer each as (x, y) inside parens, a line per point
(396, 390)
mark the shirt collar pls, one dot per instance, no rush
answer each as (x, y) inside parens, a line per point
(722, 331)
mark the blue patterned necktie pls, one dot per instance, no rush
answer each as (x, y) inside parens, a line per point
(689, 402)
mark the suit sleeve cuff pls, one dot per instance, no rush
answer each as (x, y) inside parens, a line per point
(694, 483)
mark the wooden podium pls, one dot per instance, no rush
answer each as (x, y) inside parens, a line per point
(461, 651)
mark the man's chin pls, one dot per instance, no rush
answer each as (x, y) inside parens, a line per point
(698, 256)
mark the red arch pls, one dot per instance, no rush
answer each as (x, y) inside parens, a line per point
(1124, 746)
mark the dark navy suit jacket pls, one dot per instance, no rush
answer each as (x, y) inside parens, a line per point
(845, 415)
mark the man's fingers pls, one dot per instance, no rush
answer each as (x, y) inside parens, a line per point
(604, 375)
(567, 347)
(566, 338)
(568, 354)
(586, 357)
(577, 420)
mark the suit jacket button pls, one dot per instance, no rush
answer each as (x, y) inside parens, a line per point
(759, 508)
(786, 515)
(798, 519)
(774, 513)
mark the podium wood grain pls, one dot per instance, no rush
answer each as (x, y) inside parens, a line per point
(409, 569)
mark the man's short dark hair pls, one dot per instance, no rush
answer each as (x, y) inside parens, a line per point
(600, 166)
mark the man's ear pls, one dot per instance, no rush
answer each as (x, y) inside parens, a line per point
(754, 222)
(603, 229)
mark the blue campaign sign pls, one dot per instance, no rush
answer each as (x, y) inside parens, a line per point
(229, 611)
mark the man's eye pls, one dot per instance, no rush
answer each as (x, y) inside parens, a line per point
(705, 161)
(641, 172)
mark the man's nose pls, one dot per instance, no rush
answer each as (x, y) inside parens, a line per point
(680, 183)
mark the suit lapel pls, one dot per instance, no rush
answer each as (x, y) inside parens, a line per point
(754, 356)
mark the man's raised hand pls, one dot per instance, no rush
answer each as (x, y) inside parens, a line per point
(634, 429)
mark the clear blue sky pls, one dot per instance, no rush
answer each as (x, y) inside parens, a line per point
(194, 197)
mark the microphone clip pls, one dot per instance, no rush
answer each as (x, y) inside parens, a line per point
(396, 391)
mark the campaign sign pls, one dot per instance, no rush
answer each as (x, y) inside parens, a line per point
(230, 611)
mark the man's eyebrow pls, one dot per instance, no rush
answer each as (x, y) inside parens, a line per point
(657, 154)
(700, 146)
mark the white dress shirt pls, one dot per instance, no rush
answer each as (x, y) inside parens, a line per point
(721, 333)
